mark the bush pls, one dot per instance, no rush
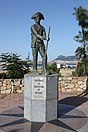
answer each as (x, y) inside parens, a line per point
(82, 69)
(3, 75)
(52, 69)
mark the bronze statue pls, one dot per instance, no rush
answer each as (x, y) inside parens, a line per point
(38, 35)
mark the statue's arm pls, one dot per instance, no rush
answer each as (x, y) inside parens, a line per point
(38, 35)
(44, 34)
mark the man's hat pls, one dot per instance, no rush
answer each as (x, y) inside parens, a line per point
(38, 14)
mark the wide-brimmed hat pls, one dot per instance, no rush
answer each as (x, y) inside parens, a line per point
(38, 14)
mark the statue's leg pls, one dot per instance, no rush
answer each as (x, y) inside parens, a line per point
(35, 57)
(44, 58)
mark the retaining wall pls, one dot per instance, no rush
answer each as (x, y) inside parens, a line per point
(11, 85)
(65, 84)
(73, 84)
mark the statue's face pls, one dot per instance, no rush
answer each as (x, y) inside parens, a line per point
(37, 19)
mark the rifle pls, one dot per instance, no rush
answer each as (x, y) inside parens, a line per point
(48, 38)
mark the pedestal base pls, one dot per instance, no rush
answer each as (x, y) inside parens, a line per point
(40, 97)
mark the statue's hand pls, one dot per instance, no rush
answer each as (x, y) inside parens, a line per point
(47, 38)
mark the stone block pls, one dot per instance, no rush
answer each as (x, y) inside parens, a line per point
(69, 78)
(27, 109)
(80, 82)
(3, 88)
(69, 90)
(40, 97)
(8, 87)
(63, 90)
(4, 84)
(74, 81)
(51, 87)
(40, 110)
(3, 91)
(27, 86)
(51, 110)
(0, 83)
(71, 86)
(19, 91)
(7, 81)
(38, 87)
(81, 78)
(8, 91)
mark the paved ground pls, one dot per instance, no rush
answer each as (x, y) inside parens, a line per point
(72, 115)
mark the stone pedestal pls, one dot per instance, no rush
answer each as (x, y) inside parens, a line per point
(40, 97)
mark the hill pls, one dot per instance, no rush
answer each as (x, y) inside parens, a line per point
(66, 58)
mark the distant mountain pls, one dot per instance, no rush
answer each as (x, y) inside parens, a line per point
(66, 58)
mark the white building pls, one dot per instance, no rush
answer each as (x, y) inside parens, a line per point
(65, 64)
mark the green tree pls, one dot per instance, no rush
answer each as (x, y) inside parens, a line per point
(15, 67)
(81, 15)
(52, 69)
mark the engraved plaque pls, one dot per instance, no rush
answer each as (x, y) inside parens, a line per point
(39, 88)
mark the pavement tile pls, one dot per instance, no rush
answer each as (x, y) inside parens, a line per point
(72, 115)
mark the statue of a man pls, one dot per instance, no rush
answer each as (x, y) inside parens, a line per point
(38, 35)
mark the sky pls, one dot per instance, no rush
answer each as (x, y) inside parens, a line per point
(15, 24)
